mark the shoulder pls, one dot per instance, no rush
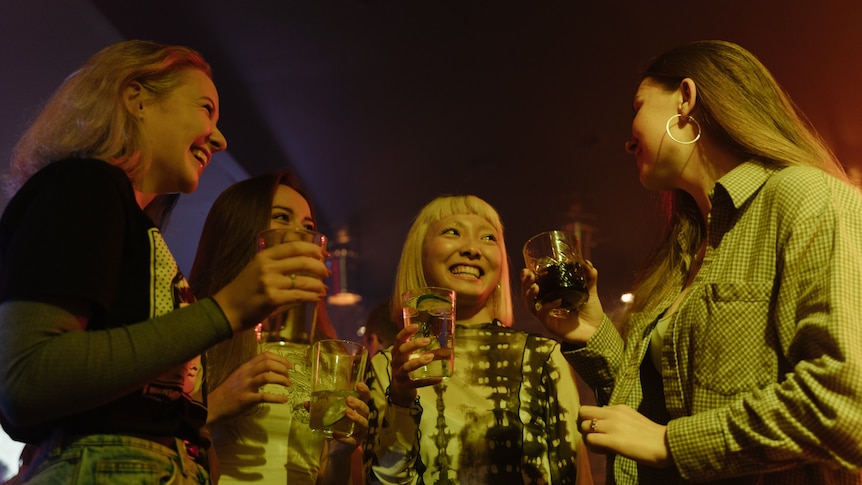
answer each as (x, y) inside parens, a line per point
(810, 192)
(73, 185)
(796, 177)
(807, 182)
(84, 167)
(542, 346)
(80, 175)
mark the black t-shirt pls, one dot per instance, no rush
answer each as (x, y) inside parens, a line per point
(75, 230)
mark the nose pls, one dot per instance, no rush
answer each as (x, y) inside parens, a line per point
(471, 250)
(631, 146)
(217, 141)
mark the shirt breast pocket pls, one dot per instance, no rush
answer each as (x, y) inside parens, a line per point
(734, 345)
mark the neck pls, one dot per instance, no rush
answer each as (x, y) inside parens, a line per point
(710, 162)
(473, 315)
(144, 199)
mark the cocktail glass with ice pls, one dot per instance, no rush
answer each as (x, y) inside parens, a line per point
(433, 309)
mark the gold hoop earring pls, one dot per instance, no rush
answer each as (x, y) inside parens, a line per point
(691, 120)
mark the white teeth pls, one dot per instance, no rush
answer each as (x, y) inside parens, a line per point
(466, 270)
(200, 156)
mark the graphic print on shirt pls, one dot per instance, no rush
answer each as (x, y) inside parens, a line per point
(506, 415)
(169, 290)
(299, 391)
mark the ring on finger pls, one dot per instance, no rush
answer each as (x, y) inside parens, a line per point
(594, 424)
(292, 281)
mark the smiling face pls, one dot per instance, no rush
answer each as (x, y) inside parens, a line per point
(182, 133)
(290, 210)
(660, 160)
(462, 252)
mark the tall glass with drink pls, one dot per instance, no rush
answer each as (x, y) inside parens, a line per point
(433, 309)
(337, 366)
(294, 322)
(555, 258)
(288, 331)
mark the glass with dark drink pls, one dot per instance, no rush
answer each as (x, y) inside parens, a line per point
(555, 257)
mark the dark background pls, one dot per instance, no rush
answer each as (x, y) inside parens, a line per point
(381, 105)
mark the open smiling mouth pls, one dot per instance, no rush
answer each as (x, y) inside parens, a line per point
(464, 270)
(201, 156)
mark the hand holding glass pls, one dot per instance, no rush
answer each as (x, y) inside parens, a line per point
(336, 367)
(433, 309)
(294, 322)
(555, 258)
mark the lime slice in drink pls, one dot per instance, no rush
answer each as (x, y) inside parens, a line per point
(433, 304)
(334, 413)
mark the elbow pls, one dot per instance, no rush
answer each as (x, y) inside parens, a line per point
(13, 413)
(20, 403)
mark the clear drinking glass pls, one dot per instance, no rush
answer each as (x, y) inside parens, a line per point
(294, 322)
(433, 309)
(336, 367)
(555, 257)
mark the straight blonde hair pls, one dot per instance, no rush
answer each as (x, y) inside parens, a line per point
(410, 272)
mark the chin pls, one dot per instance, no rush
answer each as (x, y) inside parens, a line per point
(473, 290)
(649, 182)
(188, 186)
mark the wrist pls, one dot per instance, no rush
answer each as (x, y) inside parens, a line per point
(402, 399)
(232, 317)
(567, 346)
(339, 450)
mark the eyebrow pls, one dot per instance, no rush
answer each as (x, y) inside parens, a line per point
(293, 213)
(485, 226)
(284, 208)
(209, 99)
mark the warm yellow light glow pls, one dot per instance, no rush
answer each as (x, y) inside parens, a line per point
(344, 298)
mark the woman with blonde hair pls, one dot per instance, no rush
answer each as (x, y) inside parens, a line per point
(508, 412)
(100, 337)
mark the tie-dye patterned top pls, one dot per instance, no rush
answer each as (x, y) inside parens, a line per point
(507, 415)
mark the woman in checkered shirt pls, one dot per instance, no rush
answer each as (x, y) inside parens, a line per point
(740, 358)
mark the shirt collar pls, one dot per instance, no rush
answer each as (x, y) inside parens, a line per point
(743, 182)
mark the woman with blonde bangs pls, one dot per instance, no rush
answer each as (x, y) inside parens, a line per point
(508, 412)
(411, 272)
(740, 359)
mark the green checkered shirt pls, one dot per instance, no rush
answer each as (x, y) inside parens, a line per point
(761, 368)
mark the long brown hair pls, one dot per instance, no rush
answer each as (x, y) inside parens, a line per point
(227, 244)
(740, 104)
